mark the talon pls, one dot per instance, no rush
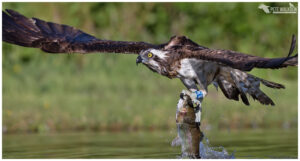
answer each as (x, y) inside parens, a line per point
(184, 92)
(181, 95)
(196, 102)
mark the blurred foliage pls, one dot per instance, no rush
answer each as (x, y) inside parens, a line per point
(44, 92)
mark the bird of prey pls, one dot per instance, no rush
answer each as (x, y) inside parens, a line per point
(195, 65)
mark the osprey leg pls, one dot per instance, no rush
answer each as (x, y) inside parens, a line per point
(198, 108)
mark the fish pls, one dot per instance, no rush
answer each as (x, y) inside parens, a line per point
(189, 134)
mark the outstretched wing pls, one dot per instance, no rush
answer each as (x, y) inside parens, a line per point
(234, 59)
(57, 38)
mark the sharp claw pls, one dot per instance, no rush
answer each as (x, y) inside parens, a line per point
(197, 102)
(181, 95)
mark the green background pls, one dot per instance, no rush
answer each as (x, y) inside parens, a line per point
(51, 93)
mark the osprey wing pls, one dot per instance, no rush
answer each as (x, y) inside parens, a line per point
(242, 61)
(57, 38)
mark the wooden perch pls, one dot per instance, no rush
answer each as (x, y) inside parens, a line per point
(189, 134)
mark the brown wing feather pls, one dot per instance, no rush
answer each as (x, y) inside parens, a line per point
(231, 58)
(57, 38)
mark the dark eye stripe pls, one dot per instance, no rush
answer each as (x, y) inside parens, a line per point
(156, 58)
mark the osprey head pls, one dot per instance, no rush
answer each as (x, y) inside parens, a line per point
(152, 58)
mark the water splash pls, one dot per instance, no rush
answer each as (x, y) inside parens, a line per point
(206, 151)
(209, 152)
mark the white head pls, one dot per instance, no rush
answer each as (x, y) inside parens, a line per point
(154, 59)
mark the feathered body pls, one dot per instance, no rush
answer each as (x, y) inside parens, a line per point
(199, 74)
(195, 65)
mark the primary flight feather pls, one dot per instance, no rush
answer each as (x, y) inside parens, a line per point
(197, 66)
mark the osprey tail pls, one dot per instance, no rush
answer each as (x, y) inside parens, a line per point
(235, 83)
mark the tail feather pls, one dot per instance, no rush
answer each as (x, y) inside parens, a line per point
(235, 83)
(230, 91)
(262, 97)
(244, 99)
(271, 84)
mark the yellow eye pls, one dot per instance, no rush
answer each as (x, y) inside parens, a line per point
(150, 55)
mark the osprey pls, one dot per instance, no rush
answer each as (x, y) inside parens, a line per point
(195, 65)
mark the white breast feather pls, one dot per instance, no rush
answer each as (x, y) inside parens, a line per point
(188, 67)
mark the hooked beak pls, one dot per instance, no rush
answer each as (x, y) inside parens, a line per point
(138, 60)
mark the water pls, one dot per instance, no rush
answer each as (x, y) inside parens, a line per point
(207, 151)
(244, 144)
(253, 144)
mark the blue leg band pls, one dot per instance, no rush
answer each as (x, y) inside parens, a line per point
(199, 94)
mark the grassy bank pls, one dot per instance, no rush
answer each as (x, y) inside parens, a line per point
(45, 93)
(60, 97)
